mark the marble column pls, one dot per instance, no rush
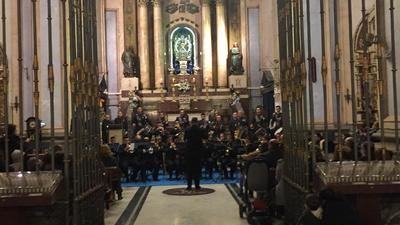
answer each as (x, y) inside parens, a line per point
(222, 40)
(207, 43)
(158, 44)
(143, 44)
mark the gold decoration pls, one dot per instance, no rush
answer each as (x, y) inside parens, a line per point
(50, 73)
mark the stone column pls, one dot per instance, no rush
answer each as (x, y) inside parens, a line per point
(158, 44)
(143, 44)
(222, 40)
(207, 43)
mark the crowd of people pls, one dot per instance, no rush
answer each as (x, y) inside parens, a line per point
(151, 146)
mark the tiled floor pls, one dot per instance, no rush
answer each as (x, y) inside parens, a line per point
(218, 208)
(118, 207)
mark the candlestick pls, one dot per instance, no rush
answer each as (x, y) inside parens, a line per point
(173, 94)
(194, 93)
(207, 96)
(162, 90)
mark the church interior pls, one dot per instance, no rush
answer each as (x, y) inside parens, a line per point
(293, 104)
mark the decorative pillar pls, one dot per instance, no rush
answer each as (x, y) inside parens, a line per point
(158, 45)
(143, 44)
(222, 40)
(207, 44)
(129, 24)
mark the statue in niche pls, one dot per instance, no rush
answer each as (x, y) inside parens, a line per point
(189, 67)
(129, 60)
(235, 100)
(183, 48)
(177, 68)
(236, 57)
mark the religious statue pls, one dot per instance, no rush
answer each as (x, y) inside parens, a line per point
(236, 57)
(134, 100)
(235, 101)
(189, 67)
(177, 67)
(183, 48)
(128, 59)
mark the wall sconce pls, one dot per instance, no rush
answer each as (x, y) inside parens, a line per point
(173, 90)
(194, 89)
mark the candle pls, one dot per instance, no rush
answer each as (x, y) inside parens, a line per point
(207, 79)
(161, 80)
(193, 79)
(173, 80)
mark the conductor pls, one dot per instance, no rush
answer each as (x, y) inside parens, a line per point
(194, 136)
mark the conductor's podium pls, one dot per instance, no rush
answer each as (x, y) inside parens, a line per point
(372, 187)
(24, 194)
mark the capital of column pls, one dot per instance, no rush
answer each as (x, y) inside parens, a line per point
(219, 2)
(205, 2)
(155, 2)
(142, 3)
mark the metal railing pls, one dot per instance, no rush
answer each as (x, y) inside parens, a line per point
(82, 171)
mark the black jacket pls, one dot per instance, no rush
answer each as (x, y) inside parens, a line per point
(194, 136)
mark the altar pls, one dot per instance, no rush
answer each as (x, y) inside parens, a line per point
(185, 71)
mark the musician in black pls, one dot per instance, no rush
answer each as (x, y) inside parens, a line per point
(194, 136)
(139, 120)
(151, 157)
(276, 120)
(172, 159)
(114, 146)
(259, 119)
(217, 127)
(226, 156)
(234, 123)
(183, 119)
(242, 118)
(210, 158)
(126, 157)
(203, 123)
(123, 120)
(105, 133)
(162, 118)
